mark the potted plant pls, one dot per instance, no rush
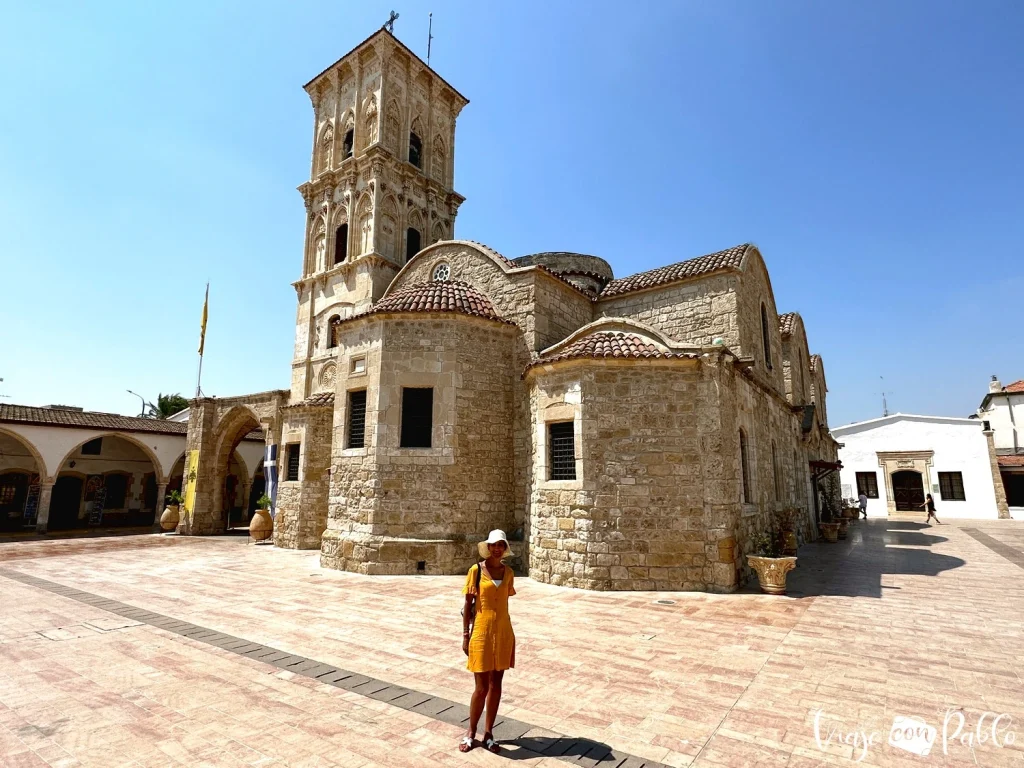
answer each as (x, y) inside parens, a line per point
(787, 525)
(769, 563)
(851, 510)
(829, 527)
(172, 512)
(261, 525)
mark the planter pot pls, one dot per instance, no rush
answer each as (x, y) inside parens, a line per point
(170, 518)
(830, 531)
(851, 513)
(789, 542)
(844, 527)
(771, 572)
(261, 525)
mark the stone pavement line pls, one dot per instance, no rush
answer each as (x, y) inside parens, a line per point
(532, 742)
(1015, 556)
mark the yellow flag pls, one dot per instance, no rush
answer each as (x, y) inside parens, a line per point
(202, 325)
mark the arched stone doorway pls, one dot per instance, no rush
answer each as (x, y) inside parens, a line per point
(20, 475)
(229, 470)
(908, 490)
(105, 482)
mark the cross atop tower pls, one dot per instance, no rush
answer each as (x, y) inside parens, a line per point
(389, 25)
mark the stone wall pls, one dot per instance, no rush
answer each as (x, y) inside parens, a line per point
(694, 312)
(796, 365)
(301, 510)
(426, 505)
(755, 291)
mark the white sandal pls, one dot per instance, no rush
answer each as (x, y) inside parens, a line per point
(467, 743)
(491, 745)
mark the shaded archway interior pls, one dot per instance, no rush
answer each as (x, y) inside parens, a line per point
(19, 483)
(234, 482)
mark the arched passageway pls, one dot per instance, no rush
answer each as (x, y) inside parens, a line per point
(106, 482)
(19, 484)
(231, 475)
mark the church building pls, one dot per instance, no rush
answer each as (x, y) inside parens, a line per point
(628, 433)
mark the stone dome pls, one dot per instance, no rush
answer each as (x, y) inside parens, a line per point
(589, 273)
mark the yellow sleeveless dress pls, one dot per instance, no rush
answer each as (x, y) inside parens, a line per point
(492, 646)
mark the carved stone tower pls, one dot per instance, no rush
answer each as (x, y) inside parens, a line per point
(380, 189)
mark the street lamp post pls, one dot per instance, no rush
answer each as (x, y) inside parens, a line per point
(143, 414)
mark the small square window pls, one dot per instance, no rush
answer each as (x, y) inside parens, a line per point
(93, 447)
(867, 483)
(358, 365)
(562, 447)
(951, 485)
(292, 461)
(417, 417)
(357, 419)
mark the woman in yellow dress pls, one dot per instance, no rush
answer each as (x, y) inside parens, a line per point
(490, 644)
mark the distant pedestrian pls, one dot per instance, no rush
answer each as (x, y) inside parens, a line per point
(487, 637)
(929, 504)
(864, 505)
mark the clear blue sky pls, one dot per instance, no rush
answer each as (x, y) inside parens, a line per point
(872, 150)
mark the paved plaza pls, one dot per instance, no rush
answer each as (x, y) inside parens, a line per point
(167, 651)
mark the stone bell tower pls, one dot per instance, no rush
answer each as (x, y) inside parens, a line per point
(380, 189)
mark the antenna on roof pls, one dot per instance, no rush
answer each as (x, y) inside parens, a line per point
(430, 34)
(885, 405)
(389, 25)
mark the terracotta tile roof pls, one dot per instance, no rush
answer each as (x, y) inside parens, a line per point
(491, 251)
(1017, 386)
(1011, 461)
(111, 422)
(61, 417)
(439, 296)
(319, 399)
(815, 359)
(730, 258)
(786, 323)
(608, 344)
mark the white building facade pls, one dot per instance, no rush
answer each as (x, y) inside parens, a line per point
(1003, 409)
(897, 459)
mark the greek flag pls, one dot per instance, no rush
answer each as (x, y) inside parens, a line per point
(270, 477)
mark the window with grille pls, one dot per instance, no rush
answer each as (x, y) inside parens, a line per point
(748, 497)
(867, 483)
(951, 486)
(417, 417)
(357, 419)
(292, 462)
(562, 446)
(93, 447)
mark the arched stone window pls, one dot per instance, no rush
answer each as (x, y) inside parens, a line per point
(341, 243)
(371, 120)
(412, 243)
(766, 338)
(326, 151)
(319, 246)
(748, 496)
(439, 161)
(388, 239)
(438, 233)
(332, 331)
(365, 222)
(392, 127)
(415, 150)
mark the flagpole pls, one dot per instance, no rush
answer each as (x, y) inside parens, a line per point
(202, 338)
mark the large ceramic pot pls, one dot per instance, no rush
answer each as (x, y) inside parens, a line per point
(170, 518)
(771, 572)
(844, 527)
(789, 542)
(261, 525)
(830, 531)
(851, 513)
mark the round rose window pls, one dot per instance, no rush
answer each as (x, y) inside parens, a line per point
(442, 272)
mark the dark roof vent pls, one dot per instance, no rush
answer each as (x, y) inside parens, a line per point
(66, 408)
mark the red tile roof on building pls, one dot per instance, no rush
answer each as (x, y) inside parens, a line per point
(1011, 461)
(610, 345)
(440, 296)
(57, 416)
(1017, 386)
(815, 360)
(730, 258)
(320, 399)
(786, 323)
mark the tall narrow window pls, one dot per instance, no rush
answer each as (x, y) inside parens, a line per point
(292, 462)
(766, 338)
(341, 244)
(415, 150)
(412, 243)
(346, 147)
(562, 450)
(357, 419)
(417, 417)
(775, 474)
(332, 331)
(951, 486)
(745, 469)
(867, 483)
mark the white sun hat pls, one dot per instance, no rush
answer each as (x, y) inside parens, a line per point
(493, 538)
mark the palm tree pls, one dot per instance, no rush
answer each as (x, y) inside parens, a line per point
(166, 405)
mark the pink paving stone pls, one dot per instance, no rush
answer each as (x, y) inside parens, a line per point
(898, 620)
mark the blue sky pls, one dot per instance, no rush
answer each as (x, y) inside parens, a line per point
(872, 150)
